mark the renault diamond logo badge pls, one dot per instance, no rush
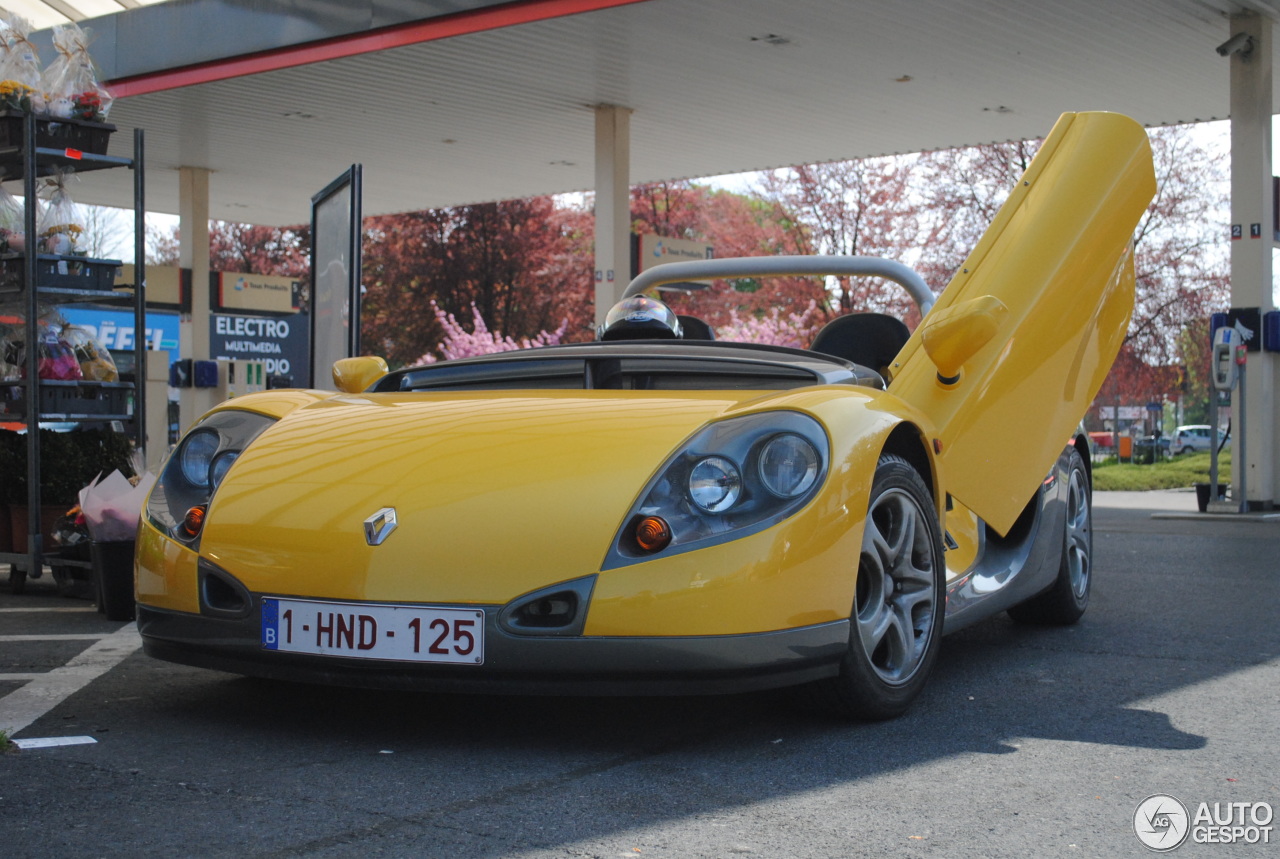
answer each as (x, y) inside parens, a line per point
(379, 526)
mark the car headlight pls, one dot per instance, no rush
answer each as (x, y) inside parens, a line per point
(195, 454)
(788, 465)
(714, 484)
(196, 468)
(731, 479)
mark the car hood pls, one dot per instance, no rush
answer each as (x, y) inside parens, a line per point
(494, 495)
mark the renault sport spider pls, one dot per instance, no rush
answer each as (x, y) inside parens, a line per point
(659, 513)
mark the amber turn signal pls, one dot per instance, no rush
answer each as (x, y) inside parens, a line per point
(653, 534)
(194, 521)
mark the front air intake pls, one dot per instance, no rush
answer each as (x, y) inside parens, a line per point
(221, 595)
(557, 610)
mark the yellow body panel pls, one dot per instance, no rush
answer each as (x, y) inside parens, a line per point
(499, 495)
(799, 572)
(1057, 259)
(165, 572)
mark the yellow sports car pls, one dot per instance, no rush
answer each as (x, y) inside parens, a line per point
(657, 513)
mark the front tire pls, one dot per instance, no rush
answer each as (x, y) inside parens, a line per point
(1066, 600)
(896, 623)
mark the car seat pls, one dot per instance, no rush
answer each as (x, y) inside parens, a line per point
(870, 339)
(695, 329)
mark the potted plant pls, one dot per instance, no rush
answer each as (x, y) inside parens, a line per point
(69, 461)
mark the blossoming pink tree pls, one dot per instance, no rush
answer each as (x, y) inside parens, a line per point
(795, 329)
(459, 343)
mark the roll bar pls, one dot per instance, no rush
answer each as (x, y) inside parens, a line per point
(785, 266)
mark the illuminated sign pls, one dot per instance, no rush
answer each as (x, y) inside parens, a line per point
(115, 329)
(279, 342)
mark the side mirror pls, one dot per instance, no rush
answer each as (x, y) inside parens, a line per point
(955, 334)
(356, 375)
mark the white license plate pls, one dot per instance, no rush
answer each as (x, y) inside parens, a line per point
(367, 631)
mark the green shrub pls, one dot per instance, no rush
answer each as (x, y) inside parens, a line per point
(1184, 470)
(69, 461)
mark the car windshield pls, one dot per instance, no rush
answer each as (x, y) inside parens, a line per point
(663, 366)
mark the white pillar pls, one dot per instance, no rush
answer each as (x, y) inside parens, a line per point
(613, 206)
(1251, 269)
(193, 254)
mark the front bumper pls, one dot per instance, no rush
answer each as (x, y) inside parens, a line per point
(519, 664)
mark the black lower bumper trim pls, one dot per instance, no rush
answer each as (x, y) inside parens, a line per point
(520, 664)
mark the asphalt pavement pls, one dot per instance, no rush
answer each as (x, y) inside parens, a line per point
(1027, 742)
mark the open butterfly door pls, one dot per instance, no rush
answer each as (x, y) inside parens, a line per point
(1014, 351)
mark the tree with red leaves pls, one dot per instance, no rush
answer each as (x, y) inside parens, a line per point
(520, 263)
(734, 225)
(852, 208)
(254, 249)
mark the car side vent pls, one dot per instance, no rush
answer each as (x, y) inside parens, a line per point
(558, 610)
(221, 595)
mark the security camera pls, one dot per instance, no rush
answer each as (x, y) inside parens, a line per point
(1240, 43)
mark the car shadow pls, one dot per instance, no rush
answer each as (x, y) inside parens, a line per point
(1167, 615)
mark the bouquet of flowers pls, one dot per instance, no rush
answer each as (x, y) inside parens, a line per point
(96, 363)
(112, 505)
(19, 67)
(13, 230)
(71, 82)
(15, 96)
(56, 359)
(61, 227)
(10, 347)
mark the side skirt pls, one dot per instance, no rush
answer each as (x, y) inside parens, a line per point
(1015, 567)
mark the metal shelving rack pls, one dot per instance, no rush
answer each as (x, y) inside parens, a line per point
(31, 162)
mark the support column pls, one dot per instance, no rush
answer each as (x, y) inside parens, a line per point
(1251, 267)
(193, 254)
(613, 206)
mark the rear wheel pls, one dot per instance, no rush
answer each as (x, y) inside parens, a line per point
(896, 624)
(1066, 600)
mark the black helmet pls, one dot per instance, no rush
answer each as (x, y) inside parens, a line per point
(640, 318)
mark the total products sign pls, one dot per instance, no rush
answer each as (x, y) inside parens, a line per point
(279, 342)
(260, 292)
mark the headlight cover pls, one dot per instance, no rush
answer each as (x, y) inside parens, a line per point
(732, 479)
(196, 468)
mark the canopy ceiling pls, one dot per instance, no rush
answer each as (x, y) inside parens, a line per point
(715, 86)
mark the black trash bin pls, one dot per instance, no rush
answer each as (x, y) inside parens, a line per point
(113, 578)
(1203, 494)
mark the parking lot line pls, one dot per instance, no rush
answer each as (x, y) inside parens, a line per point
(71, 636)
(24, 706)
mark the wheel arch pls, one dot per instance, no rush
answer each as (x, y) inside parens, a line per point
(1081, 444)
(908, 441)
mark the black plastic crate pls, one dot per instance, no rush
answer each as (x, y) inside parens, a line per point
(68, 400)
(81, 134)
(62, 272)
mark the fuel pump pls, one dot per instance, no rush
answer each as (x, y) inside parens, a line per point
(1226, 342)
(1229, 356)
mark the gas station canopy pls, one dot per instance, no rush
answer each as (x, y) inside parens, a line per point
(251, 106)
(448, 102)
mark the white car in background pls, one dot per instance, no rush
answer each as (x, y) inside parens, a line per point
(1192, 438)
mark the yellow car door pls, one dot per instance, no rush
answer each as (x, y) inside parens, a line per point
(1012, 354)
